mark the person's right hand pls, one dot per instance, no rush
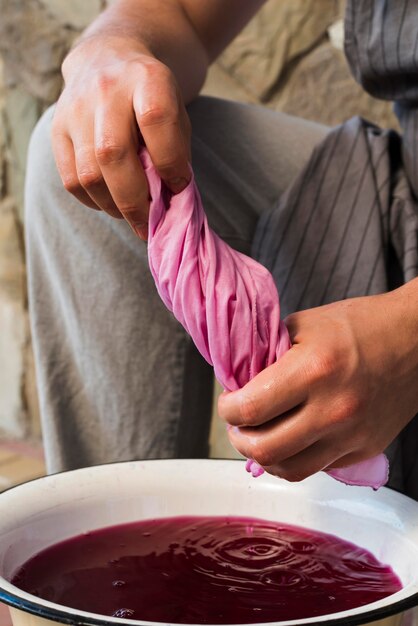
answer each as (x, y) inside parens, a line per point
(115, 93)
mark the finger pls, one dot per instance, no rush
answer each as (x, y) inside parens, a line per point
(63, 150)
(89, 172)
(116, 150)
(279, 439)
(161, 119)
(276, 390)
(317, 457)
(349, 459)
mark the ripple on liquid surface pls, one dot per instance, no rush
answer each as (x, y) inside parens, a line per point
(208, 570)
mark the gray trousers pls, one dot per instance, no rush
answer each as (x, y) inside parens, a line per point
(118, 377)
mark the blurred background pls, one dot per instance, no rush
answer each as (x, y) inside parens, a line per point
(290, 57)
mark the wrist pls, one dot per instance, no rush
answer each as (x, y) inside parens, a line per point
(404, 301)
(403, 312)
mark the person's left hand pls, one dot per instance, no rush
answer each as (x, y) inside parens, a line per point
(340, 395)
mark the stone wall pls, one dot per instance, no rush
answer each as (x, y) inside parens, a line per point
(289, 58)
(34, 38)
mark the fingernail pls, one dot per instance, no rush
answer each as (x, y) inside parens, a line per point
(177, 184)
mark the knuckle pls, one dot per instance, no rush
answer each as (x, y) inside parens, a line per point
(290, 319)
(345, 409)
(133, 213)
(105, 82)
(108, 152)
(262, 454)
(72, 185)
(155, 71)
(166, 109)
(157, 115)
(292, 322)
(168, 166)
(90, 178)
(249, 410)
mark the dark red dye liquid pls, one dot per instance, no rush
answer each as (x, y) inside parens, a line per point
(207, 570)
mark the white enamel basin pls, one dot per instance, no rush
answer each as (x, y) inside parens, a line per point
(44, 511)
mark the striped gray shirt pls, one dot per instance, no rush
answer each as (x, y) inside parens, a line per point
(348, 226)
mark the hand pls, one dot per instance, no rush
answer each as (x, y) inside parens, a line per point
(340, 395)
(116, 92)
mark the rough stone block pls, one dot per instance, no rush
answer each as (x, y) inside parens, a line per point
(3, 137)
(74, 13)
(12, 267)
(13, 323)
(221, 84)
(278, 35)
(33, 44)
(12, 340)
(321, 88)
(21, 112)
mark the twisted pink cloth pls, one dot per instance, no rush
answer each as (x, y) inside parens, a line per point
(225, 300)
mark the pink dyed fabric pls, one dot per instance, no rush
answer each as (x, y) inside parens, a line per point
(225, 300)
